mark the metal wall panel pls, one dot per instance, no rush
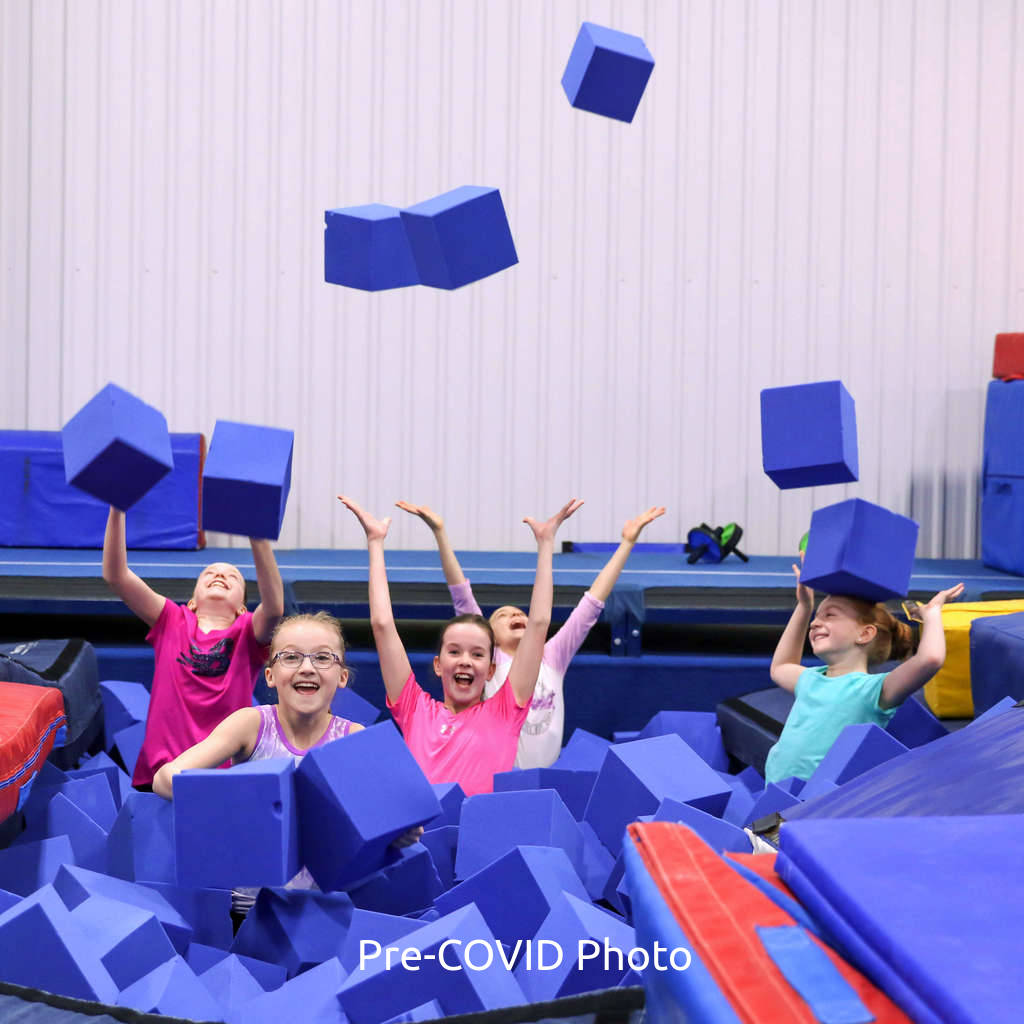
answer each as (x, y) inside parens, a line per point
(811, 189)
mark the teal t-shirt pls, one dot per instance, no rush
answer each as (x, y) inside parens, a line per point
(824, 706)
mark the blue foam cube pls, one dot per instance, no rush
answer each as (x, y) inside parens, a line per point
(914, 725)
(442, 843)
(366, 247)
(116, 447)
(311, 996)
(370, 927)
(860, 550)
(460, 236)
(124, 704)
(718, 834)
(246, 479)
(24, 867)
(207, 911)
(236, 827)
(128, 743)
(607, 72)
(346, 703)
(597, 862)
(584, 752)
(773, 799)
(856, 749)
(141, 843)
(404, 887)
(699, 730)
(574, 787)
(809, 434)
(451, 797)
(174, 990)
(230, 982)
(61, 817)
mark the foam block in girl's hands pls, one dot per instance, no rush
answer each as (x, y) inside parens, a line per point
(366, 247)
(116, 447)
(857, 749)
(355, 798)
(246, 479)
(607, 72)
(460, 236)
(237, 827)
(861, 550)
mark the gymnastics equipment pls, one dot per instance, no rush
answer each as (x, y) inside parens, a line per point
(997, 655)
(1002, 477)
(607, 72)
(116, 447)
(1008, 357)
(707, 544)
(459, 236)
(860, 550)
(809, 434)
(366, 247)
(246, 479)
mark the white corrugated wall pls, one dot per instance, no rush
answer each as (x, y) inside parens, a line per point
(810, 190)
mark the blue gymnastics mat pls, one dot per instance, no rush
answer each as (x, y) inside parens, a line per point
(929, 908)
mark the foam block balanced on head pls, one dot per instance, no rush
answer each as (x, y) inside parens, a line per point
(246, 479)
(367, 247)
(861, 550)
(607, 72)
(116, 447)
(809, 434)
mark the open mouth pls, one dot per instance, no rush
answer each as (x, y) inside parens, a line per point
(518, 626)
(306, 687)
(463, 678)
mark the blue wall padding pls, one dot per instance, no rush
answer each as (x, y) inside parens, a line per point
(997, 660)
(809, 434)
(246, 479)
(459, 236)
(116, 447)
(859, 549)
(367, 247)
(607, 72)
(1003, 454)
(948, 958)
(42, 510)
(1002, 478)
(977, 770)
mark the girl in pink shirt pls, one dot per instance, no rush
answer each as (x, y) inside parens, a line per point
(464, 738)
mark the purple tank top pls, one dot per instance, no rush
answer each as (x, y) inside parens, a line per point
(271, 741)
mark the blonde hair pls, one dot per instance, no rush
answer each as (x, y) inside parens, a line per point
(318, 618)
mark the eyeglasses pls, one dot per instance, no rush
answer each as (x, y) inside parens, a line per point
(320, 660)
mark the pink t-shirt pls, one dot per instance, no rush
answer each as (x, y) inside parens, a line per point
(468, 747)
(199, 679)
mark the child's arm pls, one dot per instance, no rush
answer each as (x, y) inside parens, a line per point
(462, 594)
(268, 578)
(234, 737)
(522, 676)
(913, 673)
(394, 662)
(607, 577)
(786, 668)
(140, 597)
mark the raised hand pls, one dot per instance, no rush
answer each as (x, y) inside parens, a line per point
(376, 529)
(943, 596)
(631, 531)
(548, 529)
(428, 515)
(804, 595)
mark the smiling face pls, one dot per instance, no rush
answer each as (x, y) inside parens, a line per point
(306, 689)
(464, 664)
(508, 624)
(836, 629)
(219, 589)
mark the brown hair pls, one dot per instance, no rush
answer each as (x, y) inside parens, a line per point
(475, 620)
(319, 618)
(894, 640)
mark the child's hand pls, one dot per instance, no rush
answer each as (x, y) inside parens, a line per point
(631, 531)
(431, 518)
(804, 595)
(408, 838)
(376, 529)
(943, 596)
(548, 529)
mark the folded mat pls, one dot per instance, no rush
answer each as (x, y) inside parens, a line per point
(31, 718)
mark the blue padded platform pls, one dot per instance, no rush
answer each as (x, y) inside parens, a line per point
(997, 659)
(902, 897)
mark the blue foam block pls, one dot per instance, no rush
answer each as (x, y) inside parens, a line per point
(315, 991)
(348, 704)
(237, 827)
(90, 794)
(26, 866)
(774, 799)
(450, 796)
(404, 887)
(61, 817)
(793, 785)
(997, 659)
(625, 736)
(575, 931)
(741, 803)
(172, 989)
(141, 843)
(1002, 518)
(124, 704)
(914, 725)
(795, 456)
(637, 776)
(861, 550)
(856, 749)
(246, 479)
(425, 1011)
(718, 834)
(207, 911)
(607, 72)
(369, 927)
(201, 958)
(127, 743)
(8, 899)
(597, 862)
(1004, 426)
(355, 798)
(367, 247)
(574, 787)
(536, 874)
(376, 993)
(116, 447)
(44, 949)
(699, 730)
(584, 752)
(442, 844)
(104, 767)
(230, 982)
(492, 824)
(460, 236)
(997, 709)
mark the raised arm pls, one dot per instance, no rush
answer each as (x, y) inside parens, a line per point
(453, 574)
(607, 577)
(786, 668)
(913, 673)
(522, 676)
(140, 597)
(234, 737)
(394, 662)
(268, 578)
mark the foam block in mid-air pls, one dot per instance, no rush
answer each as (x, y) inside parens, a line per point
(809, 434)
(246, 479)
(607, 72)
(860, 550)
(460, 236)
(116, 447)
(366, 247)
